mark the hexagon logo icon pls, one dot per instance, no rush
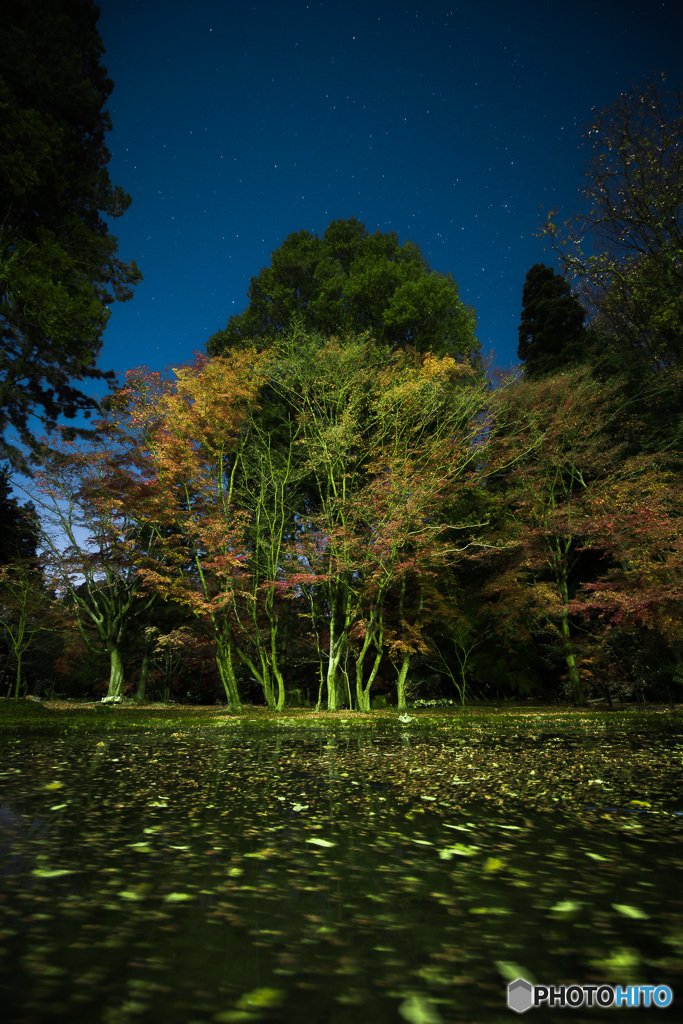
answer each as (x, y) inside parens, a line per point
(520, 995)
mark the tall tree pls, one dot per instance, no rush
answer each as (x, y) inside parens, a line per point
(18, 525)
(626, 249)
(552, 334)
(91, 534)
(390, 441)
(352, 282)
(577, 501)
(196, 430)
(59, 269)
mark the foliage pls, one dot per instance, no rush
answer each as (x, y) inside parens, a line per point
(390, 442)
(24, 611)
(58, 265)
(575, 501)
(627, 248)
(332, 856)
(552, 335)
(195, 431)
(350, 282)
(18, 526)
(88, 528)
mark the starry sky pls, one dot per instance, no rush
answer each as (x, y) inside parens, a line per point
(457, 125)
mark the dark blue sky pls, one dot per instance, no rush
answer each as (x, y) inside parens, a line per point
(456, 125)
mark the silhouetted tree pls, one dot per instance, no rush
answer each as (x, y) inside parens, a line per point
(58, 265)
(552, 335)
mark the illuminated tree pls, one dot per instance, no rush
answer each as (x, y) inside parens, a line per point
(350, 282)
(89, 529)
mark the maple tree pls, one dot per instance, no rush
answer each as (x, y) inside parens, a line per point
(196, 433)
(640, 595)
(87, 492)
(389, 442)
(575, 499)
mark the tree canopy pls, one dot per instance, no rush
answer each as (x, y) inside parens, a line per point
(353, 282)
(552, 335)
(59, 268)
(626, 248)
(18, 526)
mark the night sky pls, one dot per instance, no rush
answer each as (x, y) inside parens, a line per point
(456, 125)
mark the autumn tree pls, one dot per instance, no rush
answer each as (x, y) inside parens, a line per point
(350, 282)
(562, 509)
(90, 533)
(389, 440)
(196, 431)
(634, 610)
(627, 246)
(59, 269)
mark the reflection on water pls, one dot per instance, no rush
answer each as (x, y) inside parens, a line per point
(292, 879)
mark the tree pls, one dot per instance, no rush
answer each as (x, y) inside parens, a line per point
(634, 609)
(552, 335)
(581, 512)
(195, 432)
(22, 611)
(626, 249)
(390, 441)
(91, 534)
(59, 269)
(18, 525)
(350, 282)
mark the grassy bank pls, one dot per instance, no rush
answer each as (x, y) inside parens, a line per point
(74, 717)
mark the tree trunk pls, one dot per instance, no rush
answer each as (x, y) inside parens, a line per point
(115, 673)
(363, 692)
(337, 644)
(278, 677)
(572, 669)
(18, 682)
(227, 674)
(141, 694)
(401, 684)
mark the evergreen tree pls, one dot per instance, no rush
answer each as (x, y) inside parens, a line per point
(552, 335)
(18, 526)
(58, 265)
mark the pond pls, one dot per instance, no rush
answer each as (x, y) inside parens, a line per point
(351, 876)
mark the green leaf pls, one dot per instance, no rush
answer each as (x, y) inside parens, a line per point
(261, 998)
(627, 911)
(511, 971)
(566, 907)
(51, 872)
(459, 850)
(178, 897)
(419, 1009)
(320, 842)
(493, 864)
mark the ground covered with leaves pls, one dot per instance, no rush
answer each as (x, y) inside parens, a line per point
(266, 871)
